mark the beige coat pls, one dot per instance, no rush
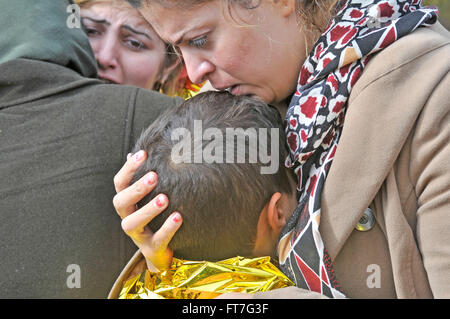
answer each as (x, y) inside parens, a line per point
(394, 157)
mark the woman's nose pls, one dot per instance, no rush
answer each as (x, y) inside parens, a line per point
(106, 54)
(198, 69)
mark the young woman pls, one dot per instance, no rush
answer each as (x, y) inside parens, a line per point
(127, 48)
(363, 86)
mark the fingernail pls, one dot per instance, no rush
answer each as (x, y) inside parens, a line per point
(138, 156)
(160, 201)
(150, 179)
(129, 156)
(176, 218)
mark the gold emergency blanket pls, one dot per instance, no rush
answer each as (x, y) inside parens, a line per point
(206, 280)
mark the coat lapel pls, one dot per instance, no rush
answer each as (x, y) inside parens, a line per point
(377, 123)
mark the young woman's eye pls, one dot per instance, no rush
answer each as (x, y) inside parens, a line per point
(91, 31)
(135, 44)
(198, 42)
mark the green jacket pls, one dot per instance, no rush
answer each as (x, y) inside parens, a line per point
(63, 137)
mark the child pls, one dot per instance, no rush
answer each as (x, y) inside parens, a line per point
(220, 161)
(221, 202)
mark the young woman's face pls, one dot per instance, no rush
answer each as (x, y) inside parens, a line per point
(127, 49)
(256, 52)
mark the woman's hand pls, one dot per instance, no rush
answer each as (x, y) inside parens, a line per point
(154, 246)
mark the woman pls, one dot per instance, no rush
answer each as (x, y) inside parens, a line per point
(127, 49)
(381, 212)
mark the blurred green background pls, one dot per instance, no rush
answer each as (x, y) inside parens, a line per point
(444, 10)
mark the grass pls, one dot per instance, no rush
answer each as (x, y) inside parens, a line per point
(444, 10)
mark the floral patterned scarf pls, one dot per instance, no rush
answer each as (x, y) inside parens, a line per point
(315, 118)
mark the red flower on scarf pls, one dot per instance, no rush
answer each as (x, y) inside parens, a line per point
(304, 75)
(344, 70)
(355, 14)
(338, 106)
(349, 36)
(331, 80)
(325, 62)
(338, 32)
(303, 135)
(319, 50)
(293, 123)
(292, 141)
(324, 101)
(309, 107)
(386, 10)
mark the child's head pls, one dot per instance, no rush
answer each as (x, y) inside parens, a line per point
(215, 180)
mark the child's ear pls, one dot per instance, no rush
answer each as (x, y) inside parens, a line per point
(276, 215)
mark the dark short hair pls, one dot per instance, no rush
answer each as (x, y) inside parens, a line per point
(135, 3)
(220, 202)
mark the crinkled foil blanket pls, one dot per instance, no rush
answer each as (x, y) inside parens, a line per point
(206, 280)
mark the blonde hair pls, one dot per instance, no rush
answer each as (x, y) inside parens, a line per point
(312, 15)
(171, 85)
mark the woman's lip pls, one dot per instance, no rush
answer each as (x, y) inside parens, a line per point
(108, 80)
(235, 90)
(224, 88)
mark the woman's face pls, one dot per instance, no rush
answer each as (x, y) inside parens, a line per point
(127, 49)
(256, 52)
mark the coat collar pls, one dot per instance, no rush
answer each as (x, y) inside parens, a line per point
(26, 80)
